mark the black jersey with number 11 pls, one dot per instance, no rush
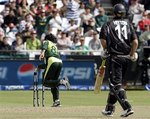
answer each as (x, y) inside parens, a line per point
(119, 34)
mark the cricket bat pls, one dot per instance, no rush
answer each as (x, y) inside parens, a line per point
(99, 77)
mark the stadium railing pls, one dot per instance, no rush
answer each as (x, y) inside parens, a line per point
(31, 54)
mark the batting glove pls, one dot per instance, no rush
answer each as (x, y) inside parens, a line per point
(104, 54)
(134, 57)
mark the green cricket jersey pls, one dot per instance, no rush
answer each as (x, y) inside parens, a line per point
(42, 24)
(51, 49)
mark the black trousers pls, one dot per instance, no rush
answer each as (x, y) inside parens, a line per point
(51, 75)
(117, 68)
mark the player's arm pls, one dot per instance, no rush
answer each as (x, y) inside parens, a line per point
(134, 47)
(103, 42)
(45, 45)
(134, 42)
(42, 54)
(103, 37)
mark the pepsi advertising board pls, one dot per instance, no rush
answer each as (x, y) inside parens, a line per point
(21, 72)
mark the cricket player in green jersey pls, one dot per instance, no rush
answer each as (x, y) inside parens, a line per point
(52, 65)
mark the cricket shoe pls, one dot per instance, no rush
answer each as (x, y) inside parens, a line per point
(65, 82)
(127, 112)
(107, 113)
(56, 104)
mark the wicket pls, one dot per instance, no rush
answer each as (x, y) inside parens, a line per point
(36, 92)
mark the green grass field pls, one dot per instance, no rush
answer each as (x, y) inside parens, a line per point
(75, 105)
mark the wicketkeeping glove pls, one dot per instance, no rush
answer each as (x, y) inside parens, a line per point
(134, 57)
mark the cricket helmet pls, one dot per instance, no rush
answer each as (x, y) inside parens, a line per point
(119, 9)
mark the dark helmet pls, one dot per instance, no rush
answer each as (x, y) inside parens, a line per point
(51, 38)
(119, 9)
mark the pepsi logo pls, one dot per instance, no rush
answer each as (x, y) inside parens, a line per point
(25, 73)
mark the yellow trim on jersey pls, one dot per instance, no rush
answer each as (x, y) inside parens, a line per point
(51, 60)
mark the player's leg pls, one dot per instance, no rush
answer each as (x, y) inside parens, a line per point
(116, 84)
(117, 92)
(51, 77)
(110, 107)
(111, 100)
(55, 90)
(120, 95)
(51, 80)
(55, 94)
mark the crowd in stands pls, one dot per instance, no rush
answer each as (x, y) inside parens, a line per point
(75, 23)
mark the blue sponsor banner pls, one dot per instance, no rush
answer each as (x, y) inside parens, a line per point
(21, 73)
(30, 87)
(147, 87)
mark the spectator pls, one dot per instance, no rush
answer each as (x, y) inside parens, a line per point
(10, 18)
(48, 5)
(90, 28)
(33, 9)
(19, 46)
(77, 34)
(59, 32)
(25, 34)
(33, 43)
(21, 14)
(143, 22)
(54, 7)
(17, 36)
(145, 36)
(70, 30)
(64, 43)
(56, 20)
(101, 19)
(82, 47)
(72, 10)
(5, 46)
(13, 6)
(65, 22)
(86, 17)
(136, 8)
(27, 21)
(94, 44)
(6, 10)
(76, 42)
(41, 22)
(11, 32)
(96, 9)
(91, 4)
(81, 9)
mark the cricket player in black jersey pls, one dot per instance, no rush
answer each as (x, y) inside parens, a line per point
(120, 42)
